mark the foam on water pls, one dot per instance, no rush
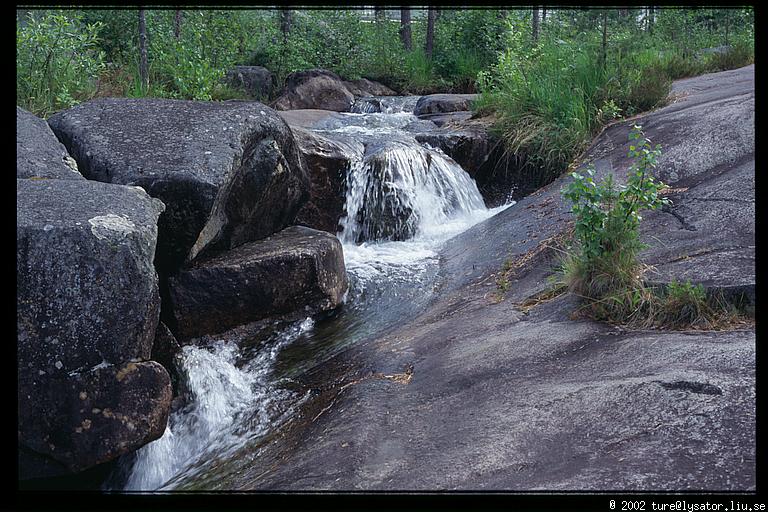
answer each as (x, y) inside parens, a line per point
(229, 404)
(404, 200)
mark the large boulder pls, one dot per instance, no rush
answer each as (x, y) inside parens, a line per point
(442, 103)
(315, 89)
(327, 161)
(365, 87)
(257, 81)
(74, 421)
(298, 270)
(228, 172)
(39, 154)
(87, 299)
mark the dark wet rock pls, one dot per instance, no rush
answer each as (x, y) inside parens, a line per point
(77, 420)
(534, 399)
(442, 103)
(470, 142)
(167, 351)
(86, 288)
(469, 145)
(257, 81)
(39, 154)
(315, 89)
(298, 270)
(87, 303)
(365, 87)
(228, 172)
(327, 161)
(448, 118)
(307, 118)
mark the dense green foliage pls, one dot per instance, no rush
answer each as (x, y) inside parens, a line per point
(552, 95)
(188, 56)
(57, 62)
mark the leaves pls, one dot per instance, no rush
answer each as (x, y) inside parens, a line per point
(607, 215)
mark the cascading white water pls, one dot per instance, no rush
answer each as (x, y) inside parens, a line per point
(228, 405)
(403, 191)
(403, 200)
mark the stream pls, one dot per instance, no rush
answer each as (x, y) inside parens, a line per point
(403, 201)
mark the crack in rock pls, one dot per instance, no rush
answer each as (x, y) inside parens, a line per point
(683, 223)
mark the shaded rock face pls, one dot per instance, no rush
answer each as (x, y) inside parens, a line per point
(296, 270)
(499, 176)
(365, 87)
(315, 89)
(442, 103)
(327, 162)
(79, 420)
(385, 215)
(228, 172)
(86, 287)
(39, 154)
(257, 81)
(87, 304)
(166, 351)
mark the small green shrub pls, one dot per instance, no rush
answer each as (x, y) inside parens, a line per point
(604, 268)
(57, 62)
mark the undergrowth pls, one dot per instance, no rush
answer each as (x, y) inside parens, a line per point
(602, 267)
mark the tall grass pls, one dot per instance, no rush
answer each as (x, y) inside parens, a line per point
(550, 100)
(548, 106)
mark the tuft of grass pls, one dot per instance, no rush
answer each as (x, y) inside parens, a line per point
(223, 92)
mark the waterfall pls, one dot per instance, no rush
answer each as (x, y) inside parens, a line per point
(229, 404)
(404, 190)
(403, 200)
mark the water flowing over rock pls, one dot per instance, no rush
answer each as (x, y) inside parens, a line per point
(296, 271)
(87, 299)
(400, 188)
(39, 154)
(384, 104)
(228, 172)
(327, 161)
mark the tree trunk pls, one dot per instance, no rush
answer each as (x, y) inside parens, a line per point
(603, 55)
(405, 28)
(651, 15)
(543, 15)
(177, 25)
(429, 44)
(286, 22)
(143, 64)
(535, 24)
